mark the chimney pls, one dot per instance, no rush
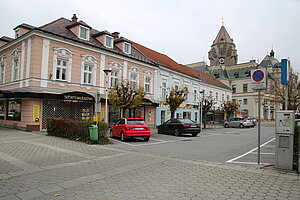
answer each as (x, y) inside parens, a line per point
(116, 35)
(74, 18)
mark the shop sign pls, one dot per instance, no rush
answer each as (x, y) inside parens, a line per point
(36, 113)
(78, 97)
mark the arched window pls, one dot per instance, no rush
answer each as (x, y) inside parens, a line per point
(115, 74)
(148, 82)
(16, 60)
(88, 69)
(63, 64)
(134, 77)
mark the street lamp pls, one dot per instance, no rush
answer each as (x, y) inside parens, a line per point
(106, 71)
(200, 102)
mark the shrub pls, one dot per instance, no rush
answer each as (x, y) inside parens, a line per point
(77, 130)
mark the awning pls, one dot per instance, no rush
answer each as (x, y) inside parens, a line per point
(148, 102)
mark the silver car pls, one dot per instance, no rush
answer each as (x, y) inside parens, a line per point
(238, 122)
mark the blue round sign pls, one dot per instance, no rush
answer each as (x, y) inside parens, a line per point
(258, 75)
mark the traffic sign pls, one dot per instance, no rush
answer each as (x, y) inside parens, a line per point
(259, 80)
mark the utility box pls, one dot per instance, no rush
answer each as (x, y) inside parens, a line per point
(284, 129)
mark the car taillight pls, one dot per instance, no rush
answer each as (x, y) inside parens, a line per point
(198, 125)
(186, 125)
(244, 120)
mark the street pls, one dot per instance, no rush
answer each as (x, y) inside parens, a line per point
(215, 145)
(39, 167)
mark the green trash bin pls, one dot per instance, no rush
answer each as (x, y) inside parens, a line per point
(93, 132)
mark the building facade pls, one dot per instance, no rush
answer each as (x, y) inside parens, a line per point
(57, 70)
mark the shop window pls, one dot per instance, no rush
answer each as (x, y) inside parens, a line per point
(196, 117)
(14, 110)
(162, 116)
(187, 115)
(2, 109)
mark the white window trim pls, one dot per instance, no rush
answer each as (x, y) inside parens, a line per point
(3, 62)
(64, 54)
(146, 75)
(90, 60)
(129, 47)
(166, 88)
(136, 71)
(87, 33)
(117, 67)
(16, 55)
(111, 43)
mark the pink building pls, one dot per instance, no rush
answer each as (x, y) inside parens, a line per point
(56, 70)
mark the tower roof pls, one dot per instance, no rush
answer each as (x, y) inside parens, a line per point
(222, 37)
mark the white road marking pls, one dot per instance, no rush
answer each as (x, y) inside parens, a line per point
(263, 153)
(230, 161)
(162, 141)
(249, 163)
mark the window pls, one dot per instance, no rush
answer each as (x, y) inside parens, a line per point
(87, 74)
(195, 95)
(233, 88)
(217, 96)
(223, 98)
(14, 110)
(196, 117)
(227, 97)
(127, 48)
(2, 109)
(164, 90)
(114, 78)
(2, 73)
(236, 75)
(187, 115)
(133, 80)
(210, 93)
(148, 84)
(61, 69)
(217, 75)
(176, 87)
(162, 116)
(83, 33)
(108, 41)
(245, 101)
(245, 87)
(248, 73)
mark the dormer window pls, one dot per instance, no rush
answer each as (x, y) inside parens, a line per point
(217, 75)
(127, 48)
(17, 33)
(247, 73)
(84, 33)
(109, 41)
(236, 75)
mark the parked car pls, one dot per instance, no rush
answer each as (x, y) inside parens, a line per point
(130, 128)
(297, 122)
(253, 119)
(179, 127)
(238, 122)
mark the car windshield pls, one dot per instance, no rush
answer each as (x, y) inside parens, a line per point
(185, 121)
(135, 121)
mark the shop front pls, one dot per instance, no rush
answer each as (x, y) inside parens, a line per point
(30, 111)
(185, 111)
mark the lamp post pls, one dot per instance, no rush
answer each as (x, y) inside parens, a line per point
(106, 71)
(200, 102)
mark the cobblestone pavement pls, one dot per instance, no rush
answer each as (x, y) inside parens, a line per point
(36, 166)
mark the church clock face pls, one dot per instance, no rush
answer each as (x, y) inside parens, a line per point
(221, 60)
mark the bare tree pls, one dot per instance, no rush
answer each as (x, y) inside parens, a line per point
(230, 107)
(175, 98)
(207, 103)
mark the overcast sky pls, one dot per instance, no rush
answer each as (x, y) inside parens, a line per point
(182, 29)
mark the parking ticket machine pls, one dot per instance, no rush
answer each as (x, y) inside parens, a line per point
(284, 129)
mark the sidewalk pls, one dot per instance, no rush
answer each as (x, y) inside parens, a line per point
(39, 167)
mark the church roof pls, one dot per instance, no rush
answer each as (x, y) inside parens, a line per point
(270, 61)
(223, 37)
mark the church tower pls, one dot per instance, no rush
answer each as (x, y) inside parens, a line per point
(223, 50)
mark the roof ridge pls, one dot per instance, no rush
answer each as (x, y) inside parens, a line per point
(150, 49)
(43, 26)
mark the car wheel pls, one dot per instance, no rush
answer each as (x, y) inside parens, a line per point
(122, 137)
(194, 134)
(146, 139)
(158, 131)
(241, 125)
(176, 132)
(226, 126)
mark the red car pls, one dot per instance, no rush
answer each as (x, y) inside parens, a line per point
(129, 128)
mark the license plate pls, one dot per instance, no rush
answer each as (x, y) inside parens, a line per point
(138, 129)
(193, 125)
